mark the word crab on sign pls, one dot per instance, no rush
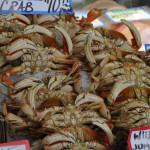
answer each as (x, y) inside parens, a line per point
(36, 6)
(18, 145)
(139, 138)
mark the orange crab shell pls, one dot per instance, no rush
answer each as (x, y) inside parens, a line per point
(54, 101)
(94, 13)
(5, 79)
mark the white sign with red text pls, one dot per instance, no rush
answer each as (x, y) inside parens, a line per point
(139, 138)
(17, 145)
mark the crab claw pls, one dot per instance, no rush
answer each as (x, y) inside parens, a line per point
(14, 56)
(57, 137)
(55, 81)
(67, 38)
(135, 33)
(97, 103)
(95, 13)
(27, 82)
(32, 93)
(88, 51)
(134, 104)
(12, 118)
(104, 126)
(19, 45)
(22, 18)
(117, 88)
(37, 29)
(86, 97)
(92, 15)
(47, 18)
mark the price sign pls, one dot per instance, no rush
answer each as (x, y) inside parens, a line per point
(139, 138)
(147, 50)
(130, 14)
(36, 6)
(18, 145)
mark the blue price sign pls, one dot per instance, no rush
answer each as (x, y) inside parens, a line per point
(36, 6)
(147, 47)
(147, 50)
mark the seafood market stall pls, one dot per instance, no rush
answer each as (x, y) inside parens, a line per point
(68, 84)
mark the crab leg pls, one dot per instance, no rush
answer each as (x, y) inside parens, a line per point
(56, 66)
(93, 86)
(101, 107)
(57, 53)
(119, 71)
(87, 97)
(55, 81)
(37, 29)
(111, 80)
(18, 121)
(87, 48)
(46, 18)
(89, 113)
(23, 69)
(100, 56)
(54, 138)
(133, 119)
(14, 56)
(32, 93)
(134, 104)
(74, 68)
(57, 117)
(94, 145)
(104, 62)
(22, 18)
(95, 72)
(98, 37)
(112, 65)
(105, 127)
(27, 82)
(58, 146)
(26, 109)
(41, 115)
(142, 122)
(67, 38)
(80, 38)
(78, 86)
(18, 45)
(134, 58)
(134, 31)
(62, 60)
(117, 88)
(146, 80)
(50, 124)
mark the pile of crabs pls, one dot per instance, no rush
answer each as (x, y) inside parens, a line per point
(55, 107)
